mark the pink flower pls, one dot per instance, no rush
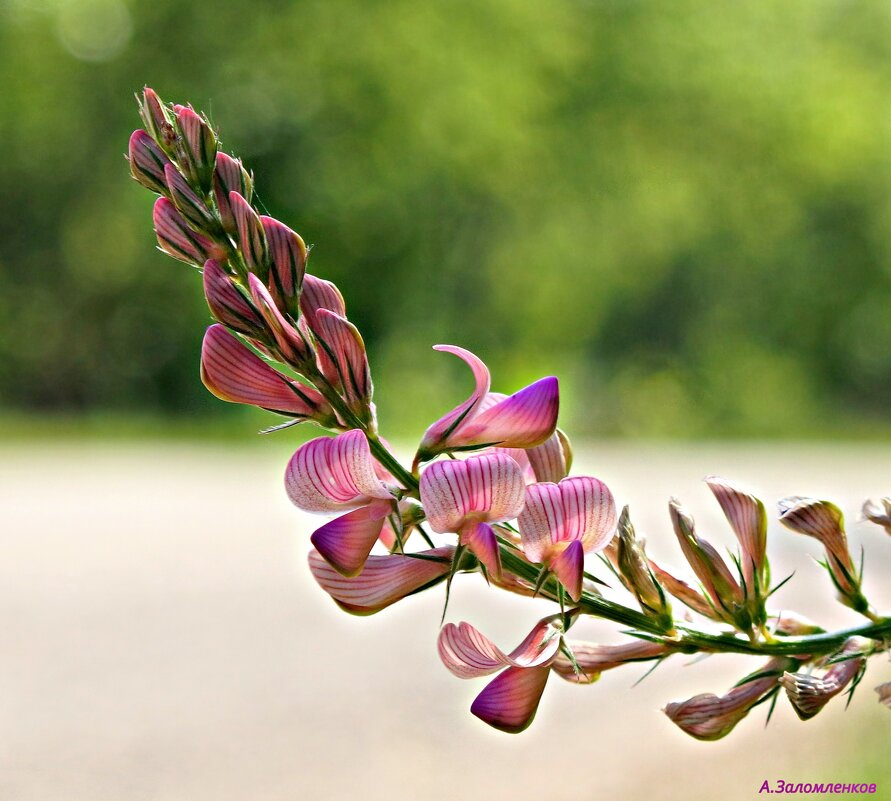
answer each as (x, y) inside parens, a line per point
(562, 522)
(465, 497)
(329, 475)
(510, 701)
(523, 420)
(809, 693)
(287, 254)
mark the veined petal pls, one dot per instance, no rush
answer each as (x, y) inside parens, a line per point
(346, 541)
(468, 653)
(488, 487)
(186, 201)
(346, 350)
(551, 460)
(593, 659)
(436, 436)
(480, 541)
(384, 580)
(578, 508)
(227, 304)
(251, 237)
(232, 372)
(319, 294)
(333, 474)
(177, 239)
(569, 567)
(147, 162)
(288, 340)
(523, 420)
(287, 252)
(230, 176)
(748, 519)
(509, 702)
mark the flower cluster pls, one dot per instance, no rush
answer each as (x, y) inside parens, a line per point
(489, 490)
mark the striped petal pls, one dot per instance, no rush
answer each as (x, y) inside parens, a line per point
(227, 304)
(346, 541)
(230, 176)
(177, 239)
(469, 654)
(343, 344)
(748, 519)
(147, 162)
(438, 435)
(319, 294)
(186, 200)
(488, 487)
(197, 146)
(509, 702)
(523, 420)
(288, 340)
(251, 237)
(569, 567)
(287, 252)
(333, 474)
(551, 460)
(480, 540)
(232, 372)
(579, 508)
(384, 579)
(592, 659)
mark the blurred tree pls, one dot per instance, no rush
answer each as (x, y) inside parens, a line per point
(683, 210)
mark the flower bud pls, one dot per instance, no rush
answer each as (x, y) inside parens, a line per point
(251, 237)
(808, 693)
(880, 515)
(589, 660)
(884, 691)
(679, 589)
(196, 147)
(287, 254)
(711, 717)
(177, 239)
(229, 305)
(636, 572)
(791, 624)
(230, 176)
(147, 162)
(289, 342)
(158, 121)
(187, 202)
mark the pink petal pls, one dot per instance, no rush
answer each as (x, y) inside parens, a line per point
(569, 568)
(344, 346)
(468, 653)
(227, 303)
(346, 541)
(550, 460)
(287, 251)
(489, 487)
(525, 419)
(509, 702)
(176, 238)
(200, 144)
(579, 508)
(251, 237)
(593, 659)
(480, 540)
(288, 340)
(438, 434)
(319, 294)
(186, 200)
(384, 580)
(229, 176)
(333, 474)
(747, 518)
(147, 162)
(234, 373)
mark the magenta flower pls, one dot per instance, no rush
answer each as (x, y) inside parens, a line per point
(330, 475)
(510, 701)
(177, 239)
(466, 497)
(384, 580)
(234, 373)
(522, 420)
(562, 522)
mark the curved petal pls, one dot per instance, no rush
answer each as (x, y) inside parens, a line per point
(251, 236)
(287, 252)
(569, 568)
(523, 420)
(177, 239)
(319, 294)
(509, 702)
(593, 659)
(333, 474)
(489, 487)
(481, 542)
(288, 339)
(436, 437)
(346, 541)
(549, 461)
(226, 302)
(469, 654)
(880, 515)
(747, 518)
(384, 579)
(234, 373)
(346, 351)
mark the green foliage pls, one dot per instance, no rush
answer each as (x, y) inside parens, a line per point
(683, 210)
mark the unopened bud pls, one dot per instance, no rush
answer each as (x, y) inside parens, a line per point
(187, 202)
(791, 624)
(176, 238)
(230, 176)
(229, 305)
(196, 147)
(808, 693)
(289, 342)
(589, 660)
(636, 572)
(251, 237)
(158, 121)
(147, 162)
(287, 254)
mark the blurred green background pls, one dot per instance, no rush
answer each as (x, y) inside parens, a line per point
(683, 210)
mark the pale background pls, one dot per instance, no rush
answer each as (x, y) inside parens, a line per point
(163, 640)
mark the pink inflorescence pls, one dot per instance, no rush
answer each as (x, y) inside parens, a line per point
(489, 490)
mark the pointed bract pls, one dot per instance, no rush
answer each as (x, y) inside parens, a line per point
(336, 474)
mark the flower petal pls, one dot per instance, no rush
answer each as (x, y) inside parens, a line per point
(593, 659)
(509, 702)
(346, 350)
(147, 162)
(880, 515)
(523, 420)
(384, 579)
(489, 486)
(747, 518)
(229, 176)
(251, 237)
(569, 568)
(551, 460)
(468, 653)
(234, 373)
(438, 434)
(228, 304)
(287, 252)
(480, 540)
(177, 239)
(288, 340)
(333, 474)
(346, 541)
(319, 294)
